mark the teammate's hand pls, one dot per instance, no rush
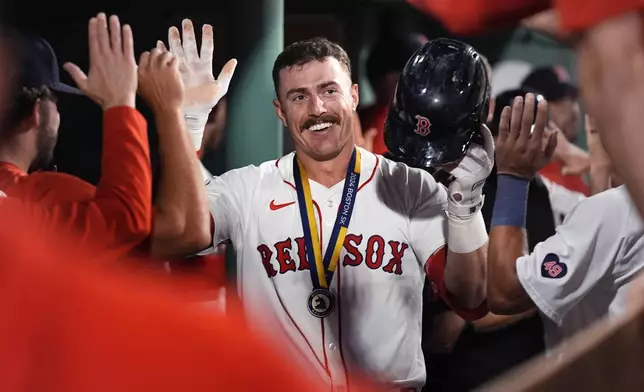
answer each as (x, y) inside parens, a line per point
(521, 148)
(574, 159)
(112, 78)
(160, 83)
(203, 91)
(465, 192)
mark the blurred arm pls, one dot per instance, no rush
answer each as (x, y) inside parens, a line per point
(182, 221)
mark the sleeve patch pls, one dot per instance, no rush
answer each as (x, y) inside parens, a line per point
(552, 268)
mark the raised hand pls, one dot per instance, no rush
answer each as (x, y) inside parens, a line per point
(203, 91)
(112, 77)
(522, 148)
(160, 83)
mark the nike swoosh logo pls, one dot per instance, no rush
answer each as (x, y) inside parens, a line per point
(275, 207)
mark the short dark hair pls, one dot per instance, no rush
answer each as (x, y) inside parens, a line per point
(302, 52)
(20, 105)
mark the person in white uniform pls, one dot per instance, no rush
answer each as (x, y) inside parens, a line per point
(582, 272)
(333, 243)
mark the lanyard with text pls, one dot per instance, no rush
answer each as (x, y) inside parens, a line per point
(321, 302)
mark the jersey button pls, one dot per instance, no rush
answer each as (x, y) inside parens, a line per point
(331, 346)
(329, 203)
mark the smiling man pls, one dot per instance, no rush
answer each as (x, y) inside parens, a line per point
(333, 241)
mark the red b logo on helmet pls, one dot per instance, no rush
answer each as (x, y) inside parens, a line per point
(422, 125)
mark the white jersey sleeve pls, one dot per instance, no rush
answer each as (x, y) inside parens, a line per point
(428, 220)
(562, 199)
(227, 195)
(564, 268)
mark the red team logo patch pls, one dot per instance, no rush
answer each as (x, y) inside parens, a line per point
(423, 125)
(552, 268)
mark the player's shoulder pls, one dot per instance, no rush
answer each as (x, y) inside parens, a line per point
(252, 176)
(611, 201)
(51, 186)
(398, 171)
(415, 185)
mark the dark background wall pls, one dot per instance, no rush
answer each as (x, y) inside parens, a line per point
(352, 23)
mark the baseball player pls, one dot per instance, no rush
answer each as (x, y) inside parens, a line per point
(333, 242)
(579, 274)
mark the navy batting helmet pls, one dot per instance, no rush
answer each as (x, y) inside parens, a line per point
(441, 101)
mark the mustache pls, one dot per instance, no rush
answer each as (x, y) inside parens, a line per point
(319, 120)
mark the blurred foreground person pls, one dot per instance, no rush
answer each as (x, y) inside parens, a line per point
(582, 272)
(75, 326)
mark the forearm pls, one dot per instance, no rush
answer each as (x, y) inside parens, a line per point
(505, 292)
(493, 322)
(465, 275)
(124, 193)
(465, 269)
(181, 225)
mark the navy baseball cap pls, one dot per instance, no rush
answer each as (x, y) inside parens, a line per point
(551, 82)
(37, 64)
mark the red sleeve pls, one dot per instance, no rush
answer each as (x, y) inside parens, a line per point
(578, 15)
(476, 16)
(435, 269)
(118, 216)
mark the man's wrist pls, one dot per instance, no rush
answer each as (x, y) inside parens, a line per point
(466, 235)
(511, 201)
(129, 101)
(165, 113)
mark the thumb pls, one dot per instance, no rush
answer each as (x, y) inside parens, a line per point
(226, 74)
(77, 74)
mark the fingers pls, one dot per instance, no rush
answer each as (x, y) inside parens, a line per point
(515, 119)
(189, 41)
(77, 75)
(174, 40)
(504, 124)
(551, 145)
(490, 111)
(160, 58)
(128, 42)
(207, 44)
(539, 124)
(527, 119)
(115, 34)
(161, 46)
(144, 60)
(226, 75)
(156, 59)
(92, 38)
(102, 35)
(488, 141)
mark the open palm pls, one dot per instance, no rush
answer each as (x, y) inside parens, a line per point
(202, 90)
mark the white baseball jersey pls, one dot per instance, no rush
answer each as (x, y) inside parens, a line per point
(398, 223)
(562, 199)
(581, 273)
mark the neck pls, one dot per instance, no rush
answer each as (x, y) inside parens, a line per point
(330, 172)
(12, 151)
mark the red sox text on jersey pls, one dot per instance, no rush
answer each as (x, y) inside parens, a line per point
(377, 253)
